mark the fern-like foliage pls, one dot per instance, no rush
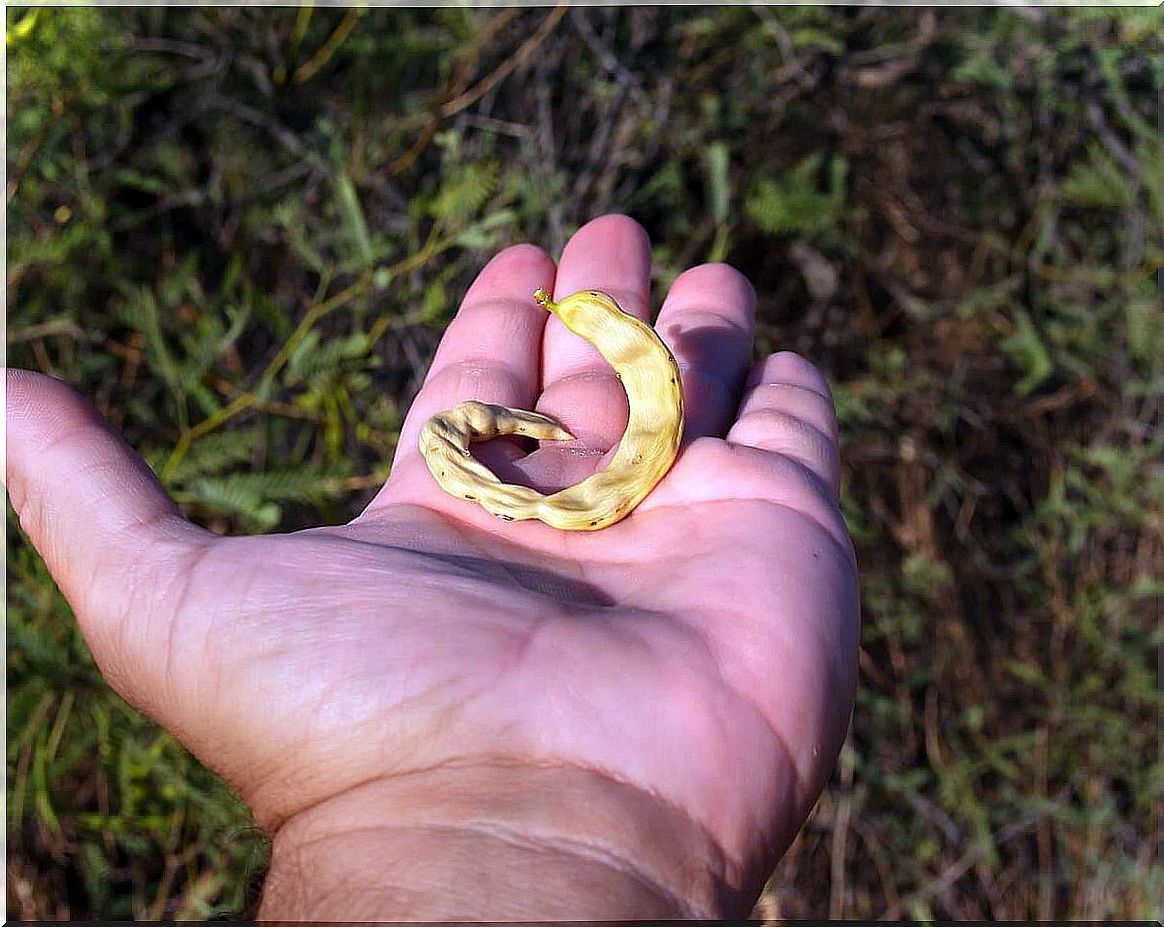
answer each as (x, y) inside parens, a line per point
(255, 496)
(792, 204)
(464, 192)
(1026, 348)
(210, 455)
(1099, 182)
(314, 356)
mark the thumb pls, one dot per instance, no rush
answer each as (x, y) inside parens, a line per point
(106, 529)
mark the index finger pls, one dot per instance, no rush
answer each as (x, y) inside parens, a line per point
(491, 351)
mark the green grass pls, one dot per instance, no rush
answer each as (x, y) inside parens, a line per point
(241, 232)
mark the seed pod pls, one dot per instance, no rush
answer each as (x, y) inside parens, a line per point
(648, 448)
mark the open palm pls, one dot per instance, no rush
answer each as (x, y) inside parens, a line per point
(702, 650)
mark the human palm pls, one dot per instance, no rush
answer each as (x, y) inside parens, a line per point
(701, 651)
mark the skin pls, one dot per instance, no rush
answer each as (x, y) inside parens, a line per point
(650, 376)
(439, 715)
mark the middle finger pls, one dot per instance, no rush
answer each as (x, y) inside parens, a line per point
(579, 388)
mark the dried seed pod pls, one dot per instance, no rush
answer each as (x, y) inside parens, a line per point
(650, 376)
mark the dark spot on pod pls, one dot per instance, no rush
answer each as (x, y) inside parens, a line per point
(672, 379)
(593, 523)
(505, 517)
(471, 498)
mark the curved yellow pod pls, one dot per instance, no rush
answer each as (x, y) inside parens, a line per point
(650, 376)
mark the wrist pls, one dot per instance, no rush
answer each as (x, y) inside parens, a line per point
(497, 842)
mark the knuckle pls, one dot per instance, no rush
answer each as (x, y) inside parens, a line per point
(780, 423)
(785, 434)
(702, 315)
(801, 402)
(790, 367)
(475, 378)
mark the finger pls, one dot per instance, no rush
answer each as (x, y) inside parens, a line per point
(491, 351)
(579, 388)
(708, 321)
(787, 409)
(109, 534)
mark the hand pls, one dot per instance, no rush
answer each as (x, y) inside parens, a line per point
(440, 714)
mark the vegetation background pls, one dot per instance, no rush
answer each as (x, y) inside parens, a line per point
(242, 232)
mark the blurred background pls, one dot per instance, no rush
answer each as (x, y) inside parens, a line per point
(242, 232)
